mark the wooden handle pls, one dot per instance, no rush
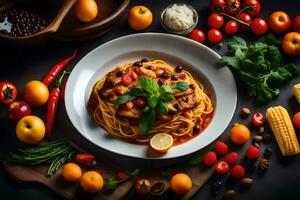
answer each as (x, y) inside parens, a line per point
(61, 15)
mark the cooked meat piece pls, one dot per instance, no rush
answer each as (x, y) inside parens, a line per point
(164, 118)
(133, 113)
(182, 103)
(185, 93)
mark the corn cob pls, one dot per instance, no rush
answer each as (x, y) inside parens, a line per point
(283, 130)
(296, 91)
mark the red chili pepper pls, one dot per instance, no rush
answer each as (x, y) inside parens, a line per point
(49, 78)
(84, 157)
(122, 176)
(53, 105)
(258, 119)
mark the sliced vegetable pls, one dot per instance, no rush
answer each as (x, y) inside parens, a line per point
(84, 157)
(8, 92)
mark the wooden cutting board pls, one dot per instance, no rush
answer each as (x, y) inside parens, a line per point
(68, 190)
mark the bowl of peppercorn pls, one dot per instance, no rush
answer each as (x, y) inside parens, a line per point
(31, 21)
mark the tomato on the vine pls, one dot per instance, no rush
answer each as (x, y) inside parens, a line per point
(8, 92)
(216, 5)
(254, 7)
(245, 18)
(231, 27)
(280, 22)
(259, 26)
(214, 36)
(215, 20)
(197, 35)
(232, 7)
(296, 24)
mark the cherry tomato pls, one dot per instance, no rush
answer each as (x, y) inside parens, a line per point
(215, 20)
(222, 167)
(259, 26)
(258, 119)
(126, 80)
(280, 22)
(296, 24)
(214, 36)
(129, 105)
(245, 18)
(8, 92)
(133, 76)
(291, 44)
(141, 71)
(84, 157)
(255, 7)
(231, 27)
(216, 5)
(17, 110)
(232, 7)
(198, 35)
(143, 186)
(140, 102)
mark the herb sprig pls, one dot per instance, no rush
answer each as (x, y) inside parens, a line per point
(111, 182)
(156, 96)
(55, 153)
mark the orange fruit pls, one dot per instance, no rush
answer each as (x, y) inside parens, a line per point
(143, 186)
(239, 134)
(36, 93)
(140, 18)
(296, 120)
(86, 10)
(91, 181)
(181, 183)
(71, 172)
(161, 142)
(30, 129)
(291, 44)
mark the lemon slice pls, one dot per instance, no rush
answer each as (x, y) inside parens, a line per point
(161, 142)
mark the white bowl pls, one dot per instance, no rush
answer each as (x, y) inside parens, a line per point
(175, 50)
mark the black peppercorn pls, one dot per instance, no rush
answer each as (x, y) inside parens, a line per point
(178, 69)
(165, 75)
(110, 84)
(138, 64)
(174, 78)
(176, 106)
(161, 81)
(196, 128)
(192, 86)
(120, 73)
(150, 67)
(144, 60)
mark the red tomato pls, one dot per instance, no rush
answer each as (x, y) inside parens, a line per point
(222, 167)
(215, 20)
(280, 22)
(216, 5)
(198, 35)
(231, 27)
(291, 44)
(259, 26)
(255, 7)
(232, 7)
(141, 71)
(140, 102)
(214, 36)
(129, 105)
(296, 24)
(18, 110)
(133, 76)
(258, 119)
(245, 18)
(84, 157)
(8, 92)
(126, 80)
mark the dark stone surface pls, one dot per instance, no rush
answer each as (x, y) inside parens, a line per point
(21, 64)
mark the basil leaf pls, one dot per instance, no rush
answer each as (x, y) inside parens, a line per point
(124, 98)
(138, 92)
(164, 89)
(147, 121)
(148, 84)
(180, 86)
(166, 97)
(152, 101)
(162, 108)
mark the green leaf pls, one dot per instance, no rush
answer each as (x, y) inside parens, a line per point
(147, 121)
(135, 173)
(272, 40)
(166, 97)
(162, 108)
(148, 84)
(228, 61)
(180, 86)
(111, 183)
(146, 109)
(138, 92)
(164, 89)
(152, 101)
(124, 98)
(236, 43)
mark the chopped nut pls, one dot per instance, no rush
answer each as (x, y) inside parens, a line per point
(245, 112)
(261, 130)
(257, 138)
(247, 182)
(263, 165)
(256, 144)
(228, 194)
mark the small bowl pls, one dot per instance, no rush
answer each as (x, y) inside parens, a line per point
(184, 32)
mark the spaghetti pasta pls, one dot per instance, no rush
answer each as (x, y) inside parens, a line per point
(194, 107)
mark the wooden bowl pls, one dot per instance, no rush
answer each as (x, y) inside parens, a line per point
(65, 25)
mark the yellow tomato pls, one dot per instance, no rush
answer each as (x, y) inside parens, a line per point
(291, 44)
(71, 172)
(86, 10)
(181, 183)
(91, 181)
(30, 129)
(239, 134)
(140, 17)
(36, 93)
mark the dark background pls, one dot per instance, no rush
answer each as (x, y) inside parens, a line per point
(22, 64)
